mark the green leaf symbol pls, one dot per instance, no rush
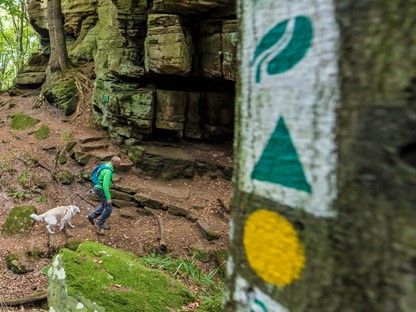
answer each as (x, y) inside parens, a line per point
(280, 163)
(283, 46)
(260, 304)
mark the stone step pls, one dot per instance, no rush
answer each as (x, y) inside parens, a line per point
(105, 154)
(125, 166)
(170, 163)
(93, 146)
(88, 137)
(161, 190)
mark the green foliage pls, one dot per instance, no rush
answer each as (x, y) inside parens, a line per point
(17, 39)
(21, 121)
(211, 304)
(42, 133)
(45, 269)
(42, 199)
(210, 286)
(19, 195)
(5, 167)
(24, 179)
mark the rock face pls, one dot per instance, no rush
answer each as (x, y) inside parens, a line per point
(163, 69)
(33, 74)
(168, 45)
(78, 279)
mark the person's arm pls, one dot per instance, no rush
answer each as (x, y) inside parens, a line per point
(106, 184)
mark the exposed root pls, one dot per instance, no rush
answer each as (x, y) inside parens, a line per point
(161, 235)
(14, 302)
(83, 85)
(41, 101)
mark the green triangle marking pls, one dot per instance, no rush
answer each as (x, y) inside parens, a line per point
(279, 163)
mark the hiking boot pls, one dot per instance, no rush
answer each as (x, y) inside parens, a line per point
(102, 227)
(90, 220)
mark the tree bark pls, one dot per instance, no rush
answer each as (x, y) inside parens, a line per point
(58, 60)
(360, 245)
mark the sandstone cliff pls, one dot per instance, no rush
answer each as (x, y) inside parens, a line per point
(163, 68)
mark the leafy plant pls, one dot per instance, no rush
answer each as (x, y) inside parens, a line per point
(19, 195)
(17, 39)
(42, 199)
(6, 167)
(209, 284)
(24, 179)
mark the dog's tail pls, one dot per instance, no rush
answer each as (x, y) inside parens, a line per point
(37, 217)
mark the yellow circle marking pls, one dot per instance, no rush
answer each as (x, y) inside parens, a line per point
(272, 247)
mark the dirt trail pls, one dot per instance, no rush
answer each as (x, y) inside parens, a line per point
(129, 231)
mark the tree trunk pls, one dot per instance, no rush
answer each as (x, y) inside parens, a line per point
(323, 212)
(58, 61)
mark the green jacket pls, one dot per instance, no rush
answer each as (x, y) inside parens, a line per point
(106, 176)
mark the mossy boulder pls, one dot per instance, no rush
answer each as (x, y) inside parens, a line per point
(62, 158)
(62, 93)
(40, 183)
(200, 252)
(25, 261)
(21, 121)
(18, 221)
(42, 133)
(82, 158)
(98, 278)
(17, 263)
(65, 177)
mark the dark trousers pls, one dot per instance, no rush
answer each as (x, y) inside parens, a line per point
(104, 210)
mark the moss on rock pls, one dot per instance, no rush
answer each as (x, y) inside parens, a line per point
(42, 133)
(65, 177)
(18, 221)
(17, 263)
(21, 121)
(62, 93)
(98, 277)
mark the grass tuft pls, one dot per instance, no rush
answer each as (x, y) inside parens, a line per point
(209, 284)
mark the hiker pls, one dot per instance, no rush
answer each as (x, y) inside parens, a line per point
(102, 185)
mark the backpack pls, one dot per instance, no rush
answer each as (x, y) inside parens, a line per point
(96, 173)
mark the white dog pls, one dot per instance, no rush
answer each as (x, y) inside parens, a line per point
(63, 214)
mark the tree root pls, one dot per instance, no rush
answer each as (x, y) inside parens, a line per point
(18, 301)
(81, 100)
(161, 235)
(160, 232)
(83, 84)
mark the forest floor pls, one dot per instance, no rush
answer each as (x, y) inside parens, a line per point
(137, 233)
